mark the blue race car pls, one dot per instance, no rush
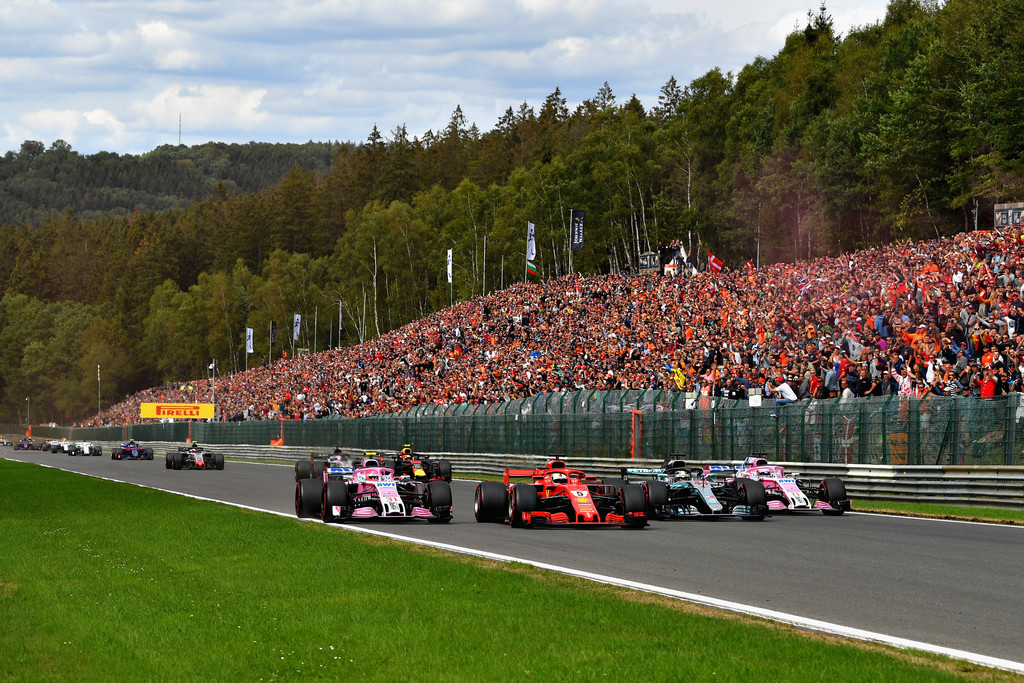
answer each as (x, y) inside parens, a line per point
(131, 451)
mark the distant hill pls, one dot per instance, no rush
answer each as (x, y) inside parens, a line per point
(36, 181)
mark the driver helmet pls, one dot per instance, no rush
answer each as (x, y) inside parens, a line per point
(406, 450)
(682, 475)
(559, 478)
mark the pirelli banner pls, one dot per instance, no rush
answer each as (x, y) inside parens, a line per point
(184, 411)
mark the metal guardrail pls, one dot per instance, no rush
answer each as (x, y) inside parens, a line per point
(980, 486)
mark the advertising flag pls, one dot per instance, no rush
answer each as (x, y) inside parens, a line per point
(449, 266)
(531, 269)
(578, 218)
(715, 263)
(295, 327)
(248, 340)
(531, 245)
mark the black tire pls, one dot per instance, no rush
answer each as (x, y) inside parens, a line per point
(147, 453)
(303, 470)
(168, 460)
(96, 450)
(218, 461)
(833, 491)
(753, 496)
(444, 470)
(439, 501)
(633, 500)
(318, 469)
(335, 494)
(656, 494)
(308, 497)
(114, 454)
(178, 461)
(522, 498)
(490, 502)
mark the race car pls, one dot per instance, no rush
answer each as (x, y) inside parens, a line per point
(26, 444)
(418, 466)
(194, 457)
(130, 451)
(559, 495)
(51, 446)
(4, 441)
(369, 491)
(792, 492)
(677, 491)
(63, 447)
(84, 448)
(314, 467)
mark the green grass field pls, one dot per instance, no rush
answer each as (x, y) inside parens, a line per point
(112, 582)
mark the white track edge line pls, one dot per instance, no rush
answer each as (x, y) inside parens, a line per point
(728, 605)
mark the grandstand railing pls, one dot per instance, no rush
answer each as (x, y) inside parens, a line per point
(889, 430)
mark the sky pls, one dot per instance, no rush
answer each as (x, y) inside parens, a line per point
(119, 75)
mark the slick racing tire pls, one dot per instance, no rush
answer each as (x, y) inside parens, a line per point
(832, 490)
(177, 461)
(147, 453)
(335, 494)
(218, 461)
(439, 502)
(633, 500)
(443, 470)
(303, 470)
(656, 493)
(521, 498)
(753, 496)
(490, 502)
(96, 450)
(308, 497)
(318, 469)
(169, 460)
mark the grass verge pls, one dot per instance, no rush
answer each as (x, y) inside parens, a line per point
(964, 512)
(106, 581)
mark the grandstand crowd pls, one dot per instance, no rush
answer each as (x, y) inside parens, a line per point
(939, 317)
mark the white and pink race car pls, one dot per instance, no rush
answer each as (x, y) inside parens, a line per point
(791, 492)
(371, 491)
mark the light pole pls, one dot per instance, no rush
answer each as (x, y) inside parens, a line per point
(213, 379)
(28, 411)
(99, 405)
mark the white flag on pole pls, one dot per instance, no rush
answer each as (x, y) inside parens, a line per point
(295, 327)
(531, 245)
(449, 266)
(248, 340)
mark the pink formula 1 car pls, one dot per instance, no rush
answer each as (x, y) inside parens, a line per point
(370, 491)
(792, 492)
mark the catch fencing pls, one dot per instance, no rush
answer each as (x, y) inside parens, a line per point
(889, 430)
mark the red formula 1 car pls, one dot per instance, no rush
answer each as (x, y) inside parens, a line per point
(558, 494)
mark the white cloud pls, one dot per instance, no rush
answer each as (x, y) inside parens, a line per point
(115, 74)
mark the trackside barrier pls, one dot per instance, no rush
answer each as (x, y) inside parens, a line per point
(884, 430)
(981, 486)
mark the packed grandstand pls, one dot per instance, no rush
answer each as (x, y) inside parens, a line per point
(937, 317)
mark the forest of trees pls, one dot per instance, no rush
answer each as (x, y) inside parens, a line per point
(898, 130)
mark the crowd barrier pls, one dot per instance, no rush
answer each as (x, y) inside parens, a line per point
(886, 430)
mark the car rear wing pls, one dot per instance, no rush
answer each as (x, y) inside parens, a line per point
(509, 473)
(625, 472)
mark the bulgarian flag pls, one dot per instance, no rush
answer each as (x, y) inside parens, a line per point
(531, 269)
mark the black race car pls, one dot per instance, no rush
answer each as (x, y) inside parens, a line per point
(194, 457)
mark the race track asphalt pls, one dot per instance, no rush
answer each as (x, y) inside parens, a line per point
(956, 585)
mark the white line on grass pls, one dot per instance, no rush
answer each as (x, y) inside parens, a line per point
(773, 615)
